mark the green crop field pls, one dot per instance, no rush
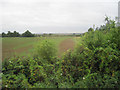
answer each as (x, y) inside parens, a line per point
(12, 46)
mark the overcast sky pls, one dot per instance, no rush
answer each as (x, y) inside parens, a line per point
(55, 16)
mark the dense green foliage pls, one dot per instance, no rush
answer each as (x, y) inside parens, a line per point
(94, 63)
(16, 34)
(10, 34)
(45, 49)
(27, 34)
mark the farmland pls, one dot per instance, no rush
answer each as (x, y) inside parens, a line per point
(12, 46)
(89, 61)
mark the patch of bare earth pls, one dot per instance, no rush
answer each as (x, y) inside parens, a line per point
(11, 52)
(23, 49)
(65, 45)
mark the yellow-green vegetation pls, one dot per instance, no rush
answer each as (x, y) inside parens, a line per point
(12, 46)
(94, 63)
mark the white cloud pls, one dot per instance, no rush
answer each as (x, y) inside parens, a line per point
(38, 14)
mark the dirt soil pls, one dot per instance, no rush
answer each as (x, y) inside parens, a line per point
(65, 45)
(11, 52)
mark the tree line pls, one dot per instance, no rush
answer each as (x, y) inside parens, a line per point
(17, 34)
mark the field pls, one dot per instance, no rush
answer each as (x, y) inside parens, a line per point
(22, 46)
(48, 62)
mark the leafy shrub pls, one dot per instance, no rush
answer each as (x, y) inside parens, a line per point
(94, 63)
(46, 50)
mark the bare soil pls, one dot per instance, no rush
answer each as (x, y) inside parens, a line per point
(65, 45)
(11, 52)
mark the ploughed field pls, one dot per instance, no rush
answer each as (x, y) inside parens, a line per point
(12, 46)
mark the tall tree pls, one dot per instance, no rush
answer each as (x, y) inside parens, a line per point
(27, 34)
(3, 34)
(16, 34)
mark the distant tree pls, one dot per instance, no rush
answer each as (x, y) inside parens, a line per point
(27, 34)
(4, 35)
(9, 34)
(16, 34)
(50, 34)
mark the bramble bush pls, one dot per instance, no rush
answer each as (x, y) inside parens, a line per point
(94, 63)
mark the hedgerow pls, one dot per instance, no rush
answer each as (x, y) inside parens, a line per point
(94, 63)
